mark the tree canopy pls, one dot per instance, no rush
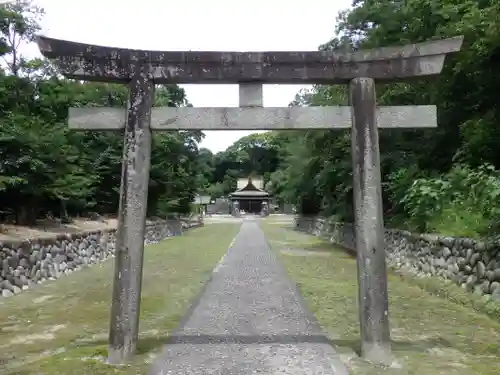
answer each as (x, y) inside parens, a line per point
(45, 168)
(434, 179)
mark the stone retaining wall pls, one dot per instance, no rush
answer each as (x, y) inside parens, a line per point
(23, 264)
(472, 264)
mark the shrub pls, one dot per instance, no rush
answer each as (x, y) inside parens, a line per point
(463, 202)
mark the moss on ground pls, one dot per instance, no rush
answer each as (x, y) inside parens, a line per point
(61, 327)
(431, 335)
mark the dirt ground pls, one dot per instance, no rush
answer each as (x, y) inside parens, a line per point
(49, 228)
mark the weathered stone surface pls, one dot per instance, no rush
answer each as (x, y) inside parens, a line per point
(136, 160)
(45, 259)
(472, 264)
(100, 63)
(251, 118)
(371, 260)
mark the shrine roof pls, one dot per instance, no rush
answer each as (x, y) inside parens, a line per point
(249, 193)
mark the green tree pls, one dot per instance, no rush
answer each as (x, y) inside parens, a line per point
(46, 168)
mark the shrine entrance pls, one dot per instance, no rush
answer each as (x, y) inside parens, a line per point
(251, 206)
(142, 70)
(250, 195)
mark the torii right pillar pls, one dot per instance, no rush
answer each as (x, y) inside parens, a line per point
(373, 300)
(369, 223)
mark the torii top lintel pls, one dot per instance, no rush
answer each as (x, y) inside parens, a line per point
(109, 64)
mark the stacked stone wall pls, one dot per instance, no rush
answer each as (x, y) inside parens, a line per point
(23, 264)
(472, 264)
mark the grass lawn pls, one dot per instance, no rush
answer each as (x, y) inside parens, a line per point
(61, 327)
(431, 335)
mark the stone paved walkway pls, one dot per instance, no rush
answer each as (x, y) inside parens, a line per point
(249, 320)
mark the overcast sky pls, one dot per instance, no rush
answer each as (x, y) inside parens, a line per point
(225, 25)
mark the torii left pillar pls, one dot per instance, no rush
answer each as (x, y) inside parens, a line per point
(129, 256)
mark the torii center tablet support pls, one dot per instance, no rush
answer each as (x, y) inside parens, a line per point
(141, 70)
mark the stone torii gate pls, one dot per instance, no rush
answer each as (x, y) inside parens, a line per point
(141, 70)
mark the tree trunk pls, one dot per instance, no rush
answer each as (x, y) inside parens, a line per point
(65, 219)
(27, 214)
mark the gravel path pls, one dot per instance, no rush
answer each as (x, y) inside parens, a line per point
(249, 320)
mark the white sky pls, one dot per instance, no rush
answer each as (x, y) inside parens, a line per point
(225, 25)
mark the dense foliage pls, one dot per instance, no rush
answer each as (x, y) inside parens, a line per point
(253, 155)
(441, 179)
(47, 169)
(433, 179)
